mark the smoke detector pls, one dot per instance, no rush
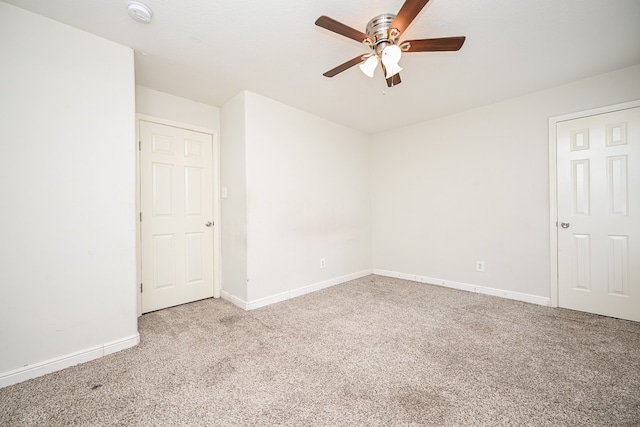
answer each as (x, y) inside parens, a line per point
(139, 12)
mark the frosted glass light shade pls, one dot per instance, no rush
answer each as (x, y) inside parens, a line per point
(390, 57)
(369, 66)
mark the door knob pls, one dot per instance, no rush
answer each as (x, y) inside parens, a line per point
(209, 224)
(564, 224)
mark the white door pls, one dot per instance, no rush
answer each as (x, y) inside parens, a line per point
(176, 202)
(598, 174)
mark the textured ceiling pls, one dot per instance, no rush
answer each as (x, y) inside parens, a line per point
(209, 50)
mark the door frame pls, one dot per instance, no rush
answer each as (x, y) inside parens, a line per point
(553, 187)
(215, 174)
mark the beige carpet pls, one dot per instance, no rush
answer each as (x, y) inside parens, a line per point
(371, 352)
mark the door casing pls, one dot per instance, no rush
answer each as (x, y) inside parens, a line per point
(553, 189)
(217, 273)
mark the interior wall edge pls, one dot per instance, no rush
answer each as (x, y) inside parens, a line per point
(233, 299)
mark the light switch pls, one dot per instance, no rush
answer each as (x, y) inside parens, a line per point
(224, 192)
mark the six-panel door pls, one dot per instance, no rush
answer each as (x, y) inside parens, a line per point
(176, 199)
(599, 214)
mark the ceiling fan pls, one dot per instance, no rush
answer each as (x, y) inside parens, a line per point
(383, 37)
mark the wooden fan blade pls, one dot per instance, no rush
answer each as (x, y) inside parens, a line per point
(407, 14)
(394, 80)
(433, 45)
(344, 30)
(342, 67)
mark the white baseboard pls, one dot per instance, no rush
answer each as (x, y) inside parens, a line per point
(262, 302)
(42, 368)
(239, 302)
(533, 299)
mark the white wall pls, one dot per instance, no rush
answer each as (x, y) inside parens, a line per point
(308, 197)
(176, 109)
(234, 206)
(475, 187)
(67, 177)
(298, 191)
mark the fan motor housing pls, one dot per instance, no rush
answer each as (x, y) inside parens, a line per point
(378, 28)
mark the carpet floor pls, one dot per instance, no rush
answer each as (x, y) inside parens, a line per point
(371, 352)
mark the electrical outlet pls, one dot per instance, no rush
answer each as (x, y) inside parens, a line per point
(323, 263)
(480, 266)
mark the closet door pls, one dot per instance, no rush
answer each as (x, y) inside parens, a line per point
(598, 174)
(176, 199)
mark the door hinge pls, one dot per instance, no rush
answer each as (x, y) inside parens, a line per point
(140, 287)
(140, 216)
(139, 145)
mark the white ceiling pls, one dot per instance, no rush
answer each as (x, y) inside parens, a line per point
(209, 50)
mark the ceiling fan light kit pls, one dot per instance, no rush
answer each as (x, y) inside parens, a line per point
(368, 67)
(390, 58)
(383, 37)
